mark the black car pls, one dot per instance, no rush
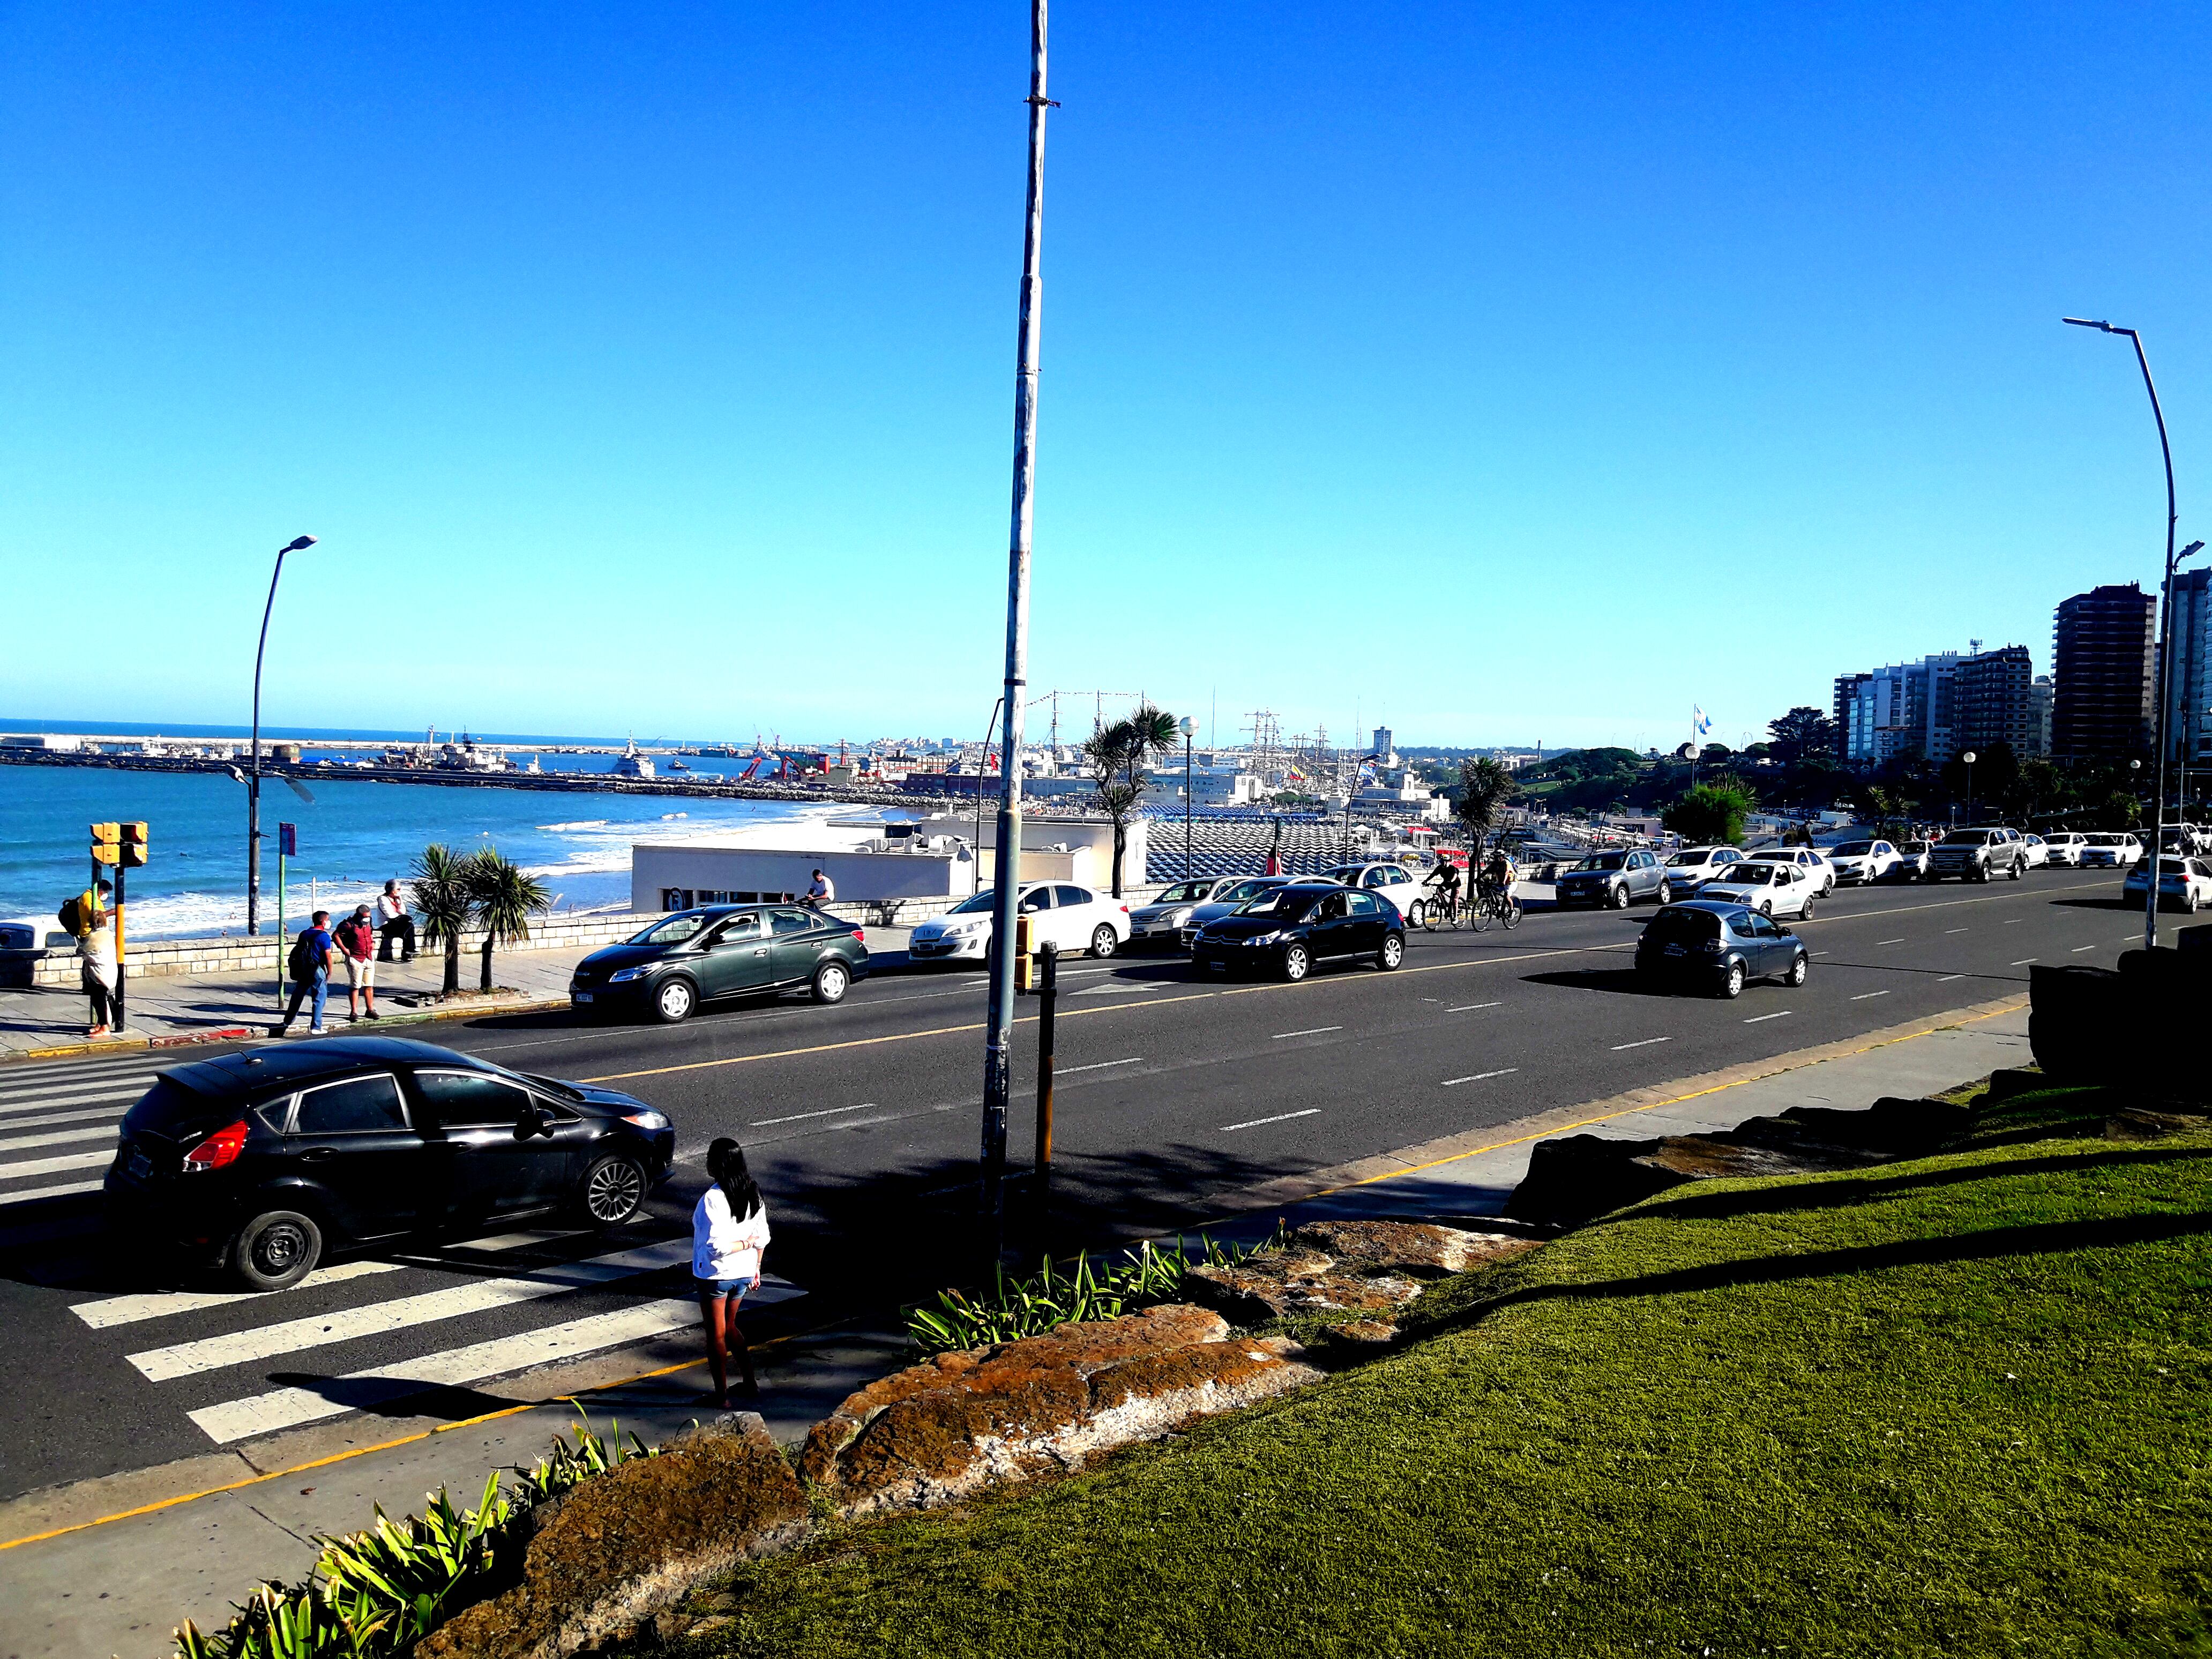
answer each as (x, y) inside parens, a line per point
(264, 1160)
(1293, 928)
(721, 951)
(1718, 946)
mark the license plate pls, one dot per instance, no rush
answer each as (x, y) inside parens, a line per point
(583, 996)
(1677, 950)
(1218, 967)
(140, 1166)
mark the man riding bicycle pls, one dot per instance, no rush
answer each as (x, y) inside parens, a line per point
(1445, 879)
(1498, 873)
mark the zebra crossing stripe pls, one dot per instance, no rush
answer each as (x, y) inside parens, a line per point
(45, 1097)
(381, 1318)
(285, 1408)
(38, 1193)
(112, 1310)
(24, 1144)
(93, 1114)
(28, 1077)
(51, 1166)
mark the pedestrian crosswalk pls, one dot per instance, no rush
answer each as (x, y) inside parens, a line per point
(361, 1335)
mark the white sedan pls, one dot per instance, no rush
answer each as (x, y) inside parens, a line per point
(2063, 846)
(1811, 859)
(1060, 912)
(2038, 851)
(1691, 868)
(2186, 883)
(1867, 861)
(1393, 882)
(2109, 852)
(1767, 886)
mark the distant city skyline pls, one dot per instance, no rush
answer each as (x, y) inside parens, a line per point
(1498, 377)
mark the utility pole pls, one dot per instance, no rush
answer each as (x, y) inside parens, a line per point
(999, 1026)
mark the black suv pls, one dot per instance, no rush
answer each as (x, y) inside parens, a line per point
(264, 1160)
(1717, 947)
(1294, 927)
(721, 951)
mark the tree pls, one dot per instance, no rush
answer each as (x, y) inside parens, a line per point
(438, 890)
(1802, 734)
(1711, 814)
(1888, 807)
(1118, 757)
(505, 897)
(1484, 787)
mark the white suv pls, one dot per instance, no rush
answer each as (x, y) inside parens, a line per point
(2065, 847)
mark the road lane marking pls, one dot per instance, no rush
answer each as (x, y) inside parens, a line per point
(1454, 1082)
(1947, 977)
(1892, 941)
(382, 1318)
(39, 1101)
(2078, 949)
(23, 1144)
(1311, 1031)
(1645, 1043)
(2022, 963)
(1957, 930)
(2015, 921)
(1284, 1117)
(800, 1117)
(51, 1165)
(97, 1112)
(110, 1311)
(1097, 1065)
(1760, 1019)
(1469, 1007)
(1863, 995)
(66, 1189)
(1824, 953)
(516, 1241)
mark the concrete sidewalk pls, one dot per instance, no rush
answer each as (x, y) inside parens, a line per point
(125, 1561)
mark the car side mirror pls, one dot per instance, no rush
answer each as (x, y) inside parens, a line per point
(535, 1120)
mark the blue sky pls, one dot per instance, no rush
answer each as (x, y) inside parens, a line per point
(1505, 373)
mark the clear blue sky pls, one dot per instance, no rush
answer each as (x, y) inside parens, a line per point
(652, 368)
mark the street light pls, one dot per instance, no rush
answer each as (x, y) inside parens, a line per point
(1969, 758)
(297, 544)
(1189, 725)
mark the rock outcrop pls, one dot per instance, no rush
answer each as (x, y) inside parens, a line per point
(604, 1560)
(937, 1431)
(1365, 1267)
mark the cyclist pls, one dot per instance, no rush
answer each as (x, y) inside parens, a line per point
(1498, 874)
(1445, 879)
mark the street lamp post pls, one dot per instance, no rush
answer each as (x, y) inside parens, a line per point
(1968, 757)
(1189, 726)
(2166, 619)
(297, 544)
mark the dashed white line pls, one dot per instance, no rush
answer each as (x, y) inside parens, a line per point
(1824, 953)
(1889, 941)
(1311, 1031)
(1955, 930)
(1950, 977)
(1454, 1082)
(1863, 995)
(1758, 1020)
(1469, 1007)
(800, 1117)
(2078, 949)
(1645, 1043)
(2015, 921)
(2022, 963)
(1098, 1065)
(1282, 1118)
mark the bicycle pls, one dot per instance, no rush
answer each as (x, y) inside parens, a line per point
(1494, 903)
(1439, 912)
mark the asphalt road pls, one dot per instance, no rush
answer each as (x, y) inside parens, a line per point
(861, 1124)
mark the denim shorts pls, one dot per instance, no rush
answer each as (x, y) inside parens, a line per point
(724, 1287)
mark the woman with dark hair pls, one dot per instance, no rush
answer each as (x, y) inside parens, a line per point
(729, 1230)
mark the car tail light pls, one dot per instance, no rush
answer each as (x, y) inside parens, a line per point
(1125, 909)
(219, 1148)
(861, 935)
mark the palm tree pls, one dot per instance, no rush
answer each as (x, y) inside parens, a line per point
(506, 897)
(1118, 756)
(438, 890)
(1484, 787)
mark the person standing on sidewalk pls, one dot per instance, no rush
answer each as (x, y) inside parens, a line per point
(356, 942)
(95, 949)
(729, 1230)
(313, 955)
(393, 924)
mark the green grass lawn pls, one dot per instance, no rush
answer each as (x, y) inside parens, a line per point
(1952, 1407)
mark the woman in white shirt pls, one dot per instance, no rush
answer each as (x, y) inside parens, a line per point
(729, 1230)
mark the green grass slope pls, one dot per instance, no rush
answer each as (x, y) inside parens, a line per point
(1947, 1407)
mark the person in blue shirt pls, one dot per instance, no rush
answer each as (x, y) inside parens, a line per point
(313, 955)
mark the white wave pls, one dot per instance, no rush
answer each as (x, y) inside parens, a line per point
(581, 823)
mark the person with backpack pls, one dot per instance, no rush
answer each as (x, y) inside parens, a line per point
(309, 965)
(729, 1230)
(356, 943)
(86, 917)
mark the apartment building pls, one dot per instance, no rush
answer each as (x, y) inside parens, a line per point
(2104, 647)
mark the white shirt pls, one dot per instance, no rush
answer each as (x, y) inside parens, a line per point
(820, 888)
(723, 1247)
(390, 907)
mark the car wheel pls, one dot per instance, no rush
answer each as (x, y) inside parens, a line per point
(1103, 941)
(1418, 913)
(1766, 907)
(1806, 914)
(276, 1250)
(612, 1192)
(1732, 981)
(831, 981)
(1392, 953)
(673, 1003)
(1800, 971)
(2018, 866)
(1297, 962)
(1829, 888)
(1666, 893)
(1618, 898)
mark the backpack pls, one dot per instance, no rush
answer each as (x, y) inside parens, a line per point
(71, 915)
(301, 963)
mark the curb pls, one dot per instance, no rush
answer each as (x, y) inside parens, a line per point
(243, 1033)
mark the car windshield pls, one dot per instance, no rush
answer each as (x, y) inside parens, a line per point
(1603, 861)
(674, 931)
(1852, 849)
(1691, 855)
(1251, 890)
(1750, 873)
(1288, 902)
(2103, 840)
(978, 906)
(1678, 926)
(1183, 892)
(1966, 838)
(552, 1086)
(1913, 846)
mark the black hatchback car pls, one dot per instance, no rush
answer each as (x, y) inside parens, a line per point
(1717, 947)
(264, 1161)
(1293, 929)
(721, 951)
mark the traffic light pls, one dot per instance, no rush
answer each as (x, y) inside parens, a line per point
(134, 845)
(104, 837)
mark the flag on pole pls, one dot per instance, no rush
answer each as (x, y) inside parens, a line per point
(1700, 721)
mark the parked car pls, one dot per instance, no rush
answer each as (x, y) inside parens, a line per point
(1229, 903)
(2063, 846)
(1693, 866)
(1073, 918)
(2185, 883)
(1978, 854)
(2038, 850)
(267, 1160)
(1162, 921)
(1295, 928)
(1614, 880)
(1810, 860)
(693, 957)
(1771, 886)
(1911, 862)
(1862, 861)
(1393, 882)
(2108, 852)
(1718, 947)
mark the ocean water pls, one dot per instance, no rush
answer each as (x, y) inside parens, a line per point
(355, 836)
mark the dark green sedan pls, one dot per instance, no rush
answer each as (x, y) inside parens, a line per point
(721, 951)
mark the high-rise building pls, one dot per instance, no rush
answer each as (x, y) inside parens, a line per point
(2039, 701)
(2188, 723)
(1997, 701)
(2104, 644)
(1908, 707)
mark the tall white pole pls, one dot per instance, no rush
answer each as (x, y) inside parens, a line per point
(999, 1029)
